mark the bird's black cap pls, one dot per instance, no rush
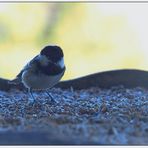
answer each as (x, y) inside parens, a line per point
(53, 53)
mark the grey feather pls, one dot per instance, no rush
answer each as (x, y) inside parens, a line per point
(18, 78)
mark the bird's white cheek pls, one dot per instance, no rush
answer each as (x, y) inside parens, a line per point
(61, 63)
(43, 60)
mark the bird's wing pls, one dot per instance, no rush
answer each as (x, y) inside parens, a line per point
(28, 66)
(18, 78)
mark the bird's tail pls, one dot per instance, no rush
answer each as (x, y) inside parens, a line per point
(15, 81)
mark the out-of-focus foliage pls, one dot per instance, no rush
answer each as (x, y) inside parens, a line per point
(94, 36)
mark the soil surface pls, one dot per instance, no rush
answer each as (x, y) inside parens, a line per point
(91, 116)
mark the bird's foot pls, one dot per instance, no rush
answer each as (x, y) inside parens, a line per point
(52, 100)
(33, 102)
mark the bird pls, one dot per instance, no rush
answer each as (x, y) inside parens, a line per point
(43, 72)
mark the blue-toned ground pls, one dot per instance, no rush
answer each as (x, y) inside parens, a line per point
(99, 116)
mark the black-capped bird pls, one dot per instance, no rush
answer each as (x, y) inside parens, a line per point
(43, 71)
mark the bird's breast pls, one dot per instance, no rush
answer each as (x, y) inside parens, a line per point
(40, 81)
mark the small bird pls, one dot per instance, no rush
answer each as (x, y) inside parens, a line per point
(43, 71)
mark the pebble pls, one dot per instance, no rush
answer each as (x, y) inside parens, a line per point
(98, 111)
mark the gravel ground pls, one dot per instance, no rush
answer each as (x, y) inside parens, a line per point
(99, 116)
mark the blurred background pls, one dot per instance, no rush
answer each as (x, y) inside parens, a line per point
(95, 37)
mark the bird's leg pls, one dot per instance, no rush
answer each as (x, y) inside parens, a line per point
(32, 99)
(51, 97)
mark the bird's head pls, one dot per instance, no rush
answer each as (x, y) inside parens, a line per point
(52, 54)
